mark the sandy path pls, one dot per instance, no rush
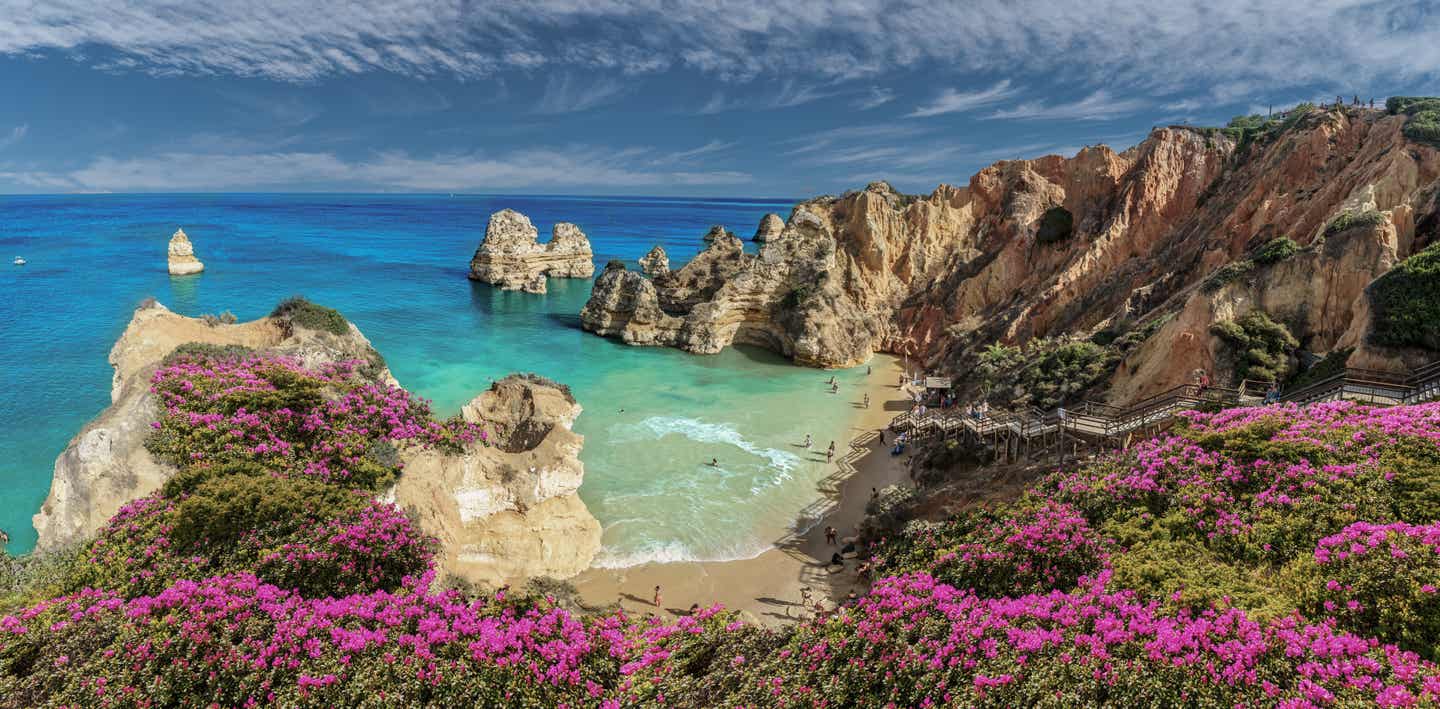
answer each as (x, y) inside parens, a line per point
(769, 586)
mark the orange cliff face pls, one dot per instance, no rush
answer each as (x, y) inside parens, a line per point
(940, 276)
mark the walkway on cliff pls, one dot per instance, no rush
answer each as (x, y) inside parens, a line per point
(1094, 425)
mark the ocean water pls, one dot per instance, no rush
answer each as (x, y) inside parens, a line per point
(395, 266)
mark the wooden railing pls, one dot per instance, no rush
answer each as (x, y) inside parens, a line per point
(1108, 425)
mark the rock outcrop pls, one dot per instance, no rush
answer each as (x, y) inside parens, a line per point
(512, 504)
(182, 261)
(508, 512)
(655, 262)
(1064, 247)
(771, 226)
(716, 232)
(511, 257)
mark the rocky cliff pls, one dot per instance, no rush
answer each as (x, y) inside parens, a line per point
(1144, 243)
(502, 512)
(511, 257)
(508, 512)
(655, 262)
(771, 226)
(182, 261)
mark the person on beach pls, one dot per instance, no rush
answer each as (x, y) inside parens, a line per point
(834, 388)
(832, 380)
(807, 440)
(874, 494)
(830, 534)
(867, 368)
(901, 383)
(837, 560)
(867, 401)
(714, 462)
(657, 596)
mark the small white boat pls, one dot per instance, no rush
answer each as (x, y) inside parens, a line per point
(19, 261)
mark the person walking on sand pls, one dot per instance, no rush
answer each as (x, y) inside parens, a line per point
(867, 401)
(807, 440)
(657, 596)
(882, 436)
(832, 380)
(834, 388)
(830, 454)
(830, 534)
(867, 367)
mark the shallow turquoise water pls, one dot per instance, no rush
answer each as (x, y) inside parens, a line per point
(395, 265)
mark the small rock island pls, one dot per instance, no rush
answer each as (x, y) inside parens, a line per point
(182, 259)
(511, 256)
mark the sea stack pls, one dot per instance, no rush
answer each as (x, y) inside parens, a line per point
(182, 255)
(510, 256)
(656, 262)
(771, 226)
(716, 232)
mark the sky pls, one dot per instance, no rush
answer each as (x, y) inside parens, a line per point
(650, 97)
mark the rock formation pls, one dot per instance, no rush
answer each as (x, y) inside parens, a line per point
(503, 512)
(716, 232)
(511, 257)
(508, 512)
(656, 262)
(1059, 246)
(182, 261)
(771, 226)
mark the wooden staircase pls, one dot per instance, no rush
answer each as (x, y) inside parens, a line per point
(1094, 426)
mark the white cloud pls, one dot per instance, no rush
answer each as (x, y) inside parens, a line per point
(877, 96)
(531, 169)
(566, 93)
(1097, 106)
(1239, 43)
(714, 146)
(15, 135)
(952, 101)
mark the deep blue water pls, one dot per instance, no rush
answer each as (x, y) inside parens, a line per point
(396, 265)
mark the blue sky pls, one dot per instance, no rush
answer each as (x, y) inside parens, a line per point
(658, 97)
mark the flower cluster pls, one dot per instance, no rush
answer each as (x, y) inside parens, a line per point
(272, 413)
(1258, 557)
(1382, 579)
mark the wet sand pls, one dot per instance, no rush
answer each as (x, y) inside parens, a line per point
(768, 587)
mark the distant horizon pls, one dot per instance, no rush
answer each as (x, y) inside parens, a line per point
(687, 99)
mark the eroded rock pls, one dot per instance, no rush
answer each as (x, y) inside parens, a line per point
(182, 261)
(510, 256)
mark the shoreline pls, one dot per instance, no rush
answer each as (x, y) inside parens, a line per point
(767, 587)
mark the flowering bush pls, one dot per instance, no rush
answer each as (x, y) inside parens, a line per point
(915, 642)
(1031, 548)
(1381, 579)
(1258, 557)
(271, 414)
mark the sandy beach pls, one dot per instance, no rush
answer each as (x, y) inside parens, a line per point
(769, 586)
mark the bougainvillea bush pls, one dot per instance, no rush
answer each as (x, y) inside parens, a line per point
(1255, 557)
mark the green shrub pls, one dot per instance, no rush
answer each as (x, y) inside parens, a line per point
(306, 314)
(1333, 363)
(1406, 303)
(1350, 219)
(1411, 104)
(1424, 127)
(208, 352)
(1056, 225)
(1275, 251)
(1227, 274)
(1260, 346)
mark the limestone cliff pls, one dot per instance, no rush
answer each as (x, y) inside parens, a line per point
(182, 261)
(1067, 247)
(508, 512)
(515, 501)
(511, 257)
(655, 262)
(771, 226)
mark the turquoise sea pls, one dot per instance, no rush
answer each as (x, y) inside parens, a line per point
(396, 265)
